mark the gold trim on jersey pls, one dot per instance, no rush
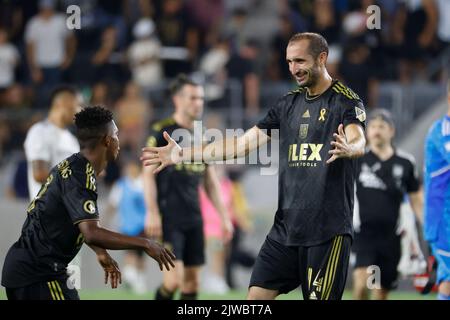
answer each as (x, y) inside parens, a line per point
(90, 178)
(40, 194)
(157, 126)
(298, 90)
(344, 90)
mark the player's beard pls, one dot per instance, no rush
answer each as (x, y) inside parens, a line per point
(312, 77)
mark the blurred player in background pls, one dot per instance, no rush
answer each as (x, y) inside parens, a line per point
(64, 214)
(321, 126)
(385, 175)
(49, 141)
(127, 199)
(437, 198)
(172, 198)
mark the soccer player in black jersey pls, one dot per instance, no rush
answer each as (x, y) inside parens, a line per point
(385, 175)
(64, 214)
(321, 132)
(172, 198)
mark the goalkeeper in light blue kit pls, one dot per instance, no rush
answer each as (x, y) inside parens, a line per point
(437, 197)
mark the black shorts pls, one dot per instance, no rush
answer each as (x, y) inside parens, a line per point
(321, 270)
(384, 254)
(51, 290)
(187, 243)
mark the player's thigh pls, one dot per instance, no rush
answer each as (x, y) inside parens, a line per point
(194, 249)
(324, 269)
(276, 268)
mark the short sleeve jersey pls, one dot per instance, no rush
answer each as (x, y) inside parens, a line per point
(315, 199)
(50, 236)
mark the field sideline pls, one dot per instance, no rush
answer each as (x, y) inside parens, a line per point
(121, 294)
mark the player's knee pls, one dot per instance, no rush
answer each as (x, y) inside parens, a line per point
(191, 284)
(171, 284)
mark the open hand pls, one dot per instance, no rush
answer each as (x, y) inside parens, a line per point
(341, 147)
(162, 156)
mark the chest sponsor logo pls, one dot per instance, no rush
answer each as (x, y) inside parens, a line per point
(306, 114)
(304, 154)
(89, 207)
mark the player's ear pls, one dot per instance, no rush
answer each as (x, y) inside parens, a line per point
(322, 58)
(106, 140)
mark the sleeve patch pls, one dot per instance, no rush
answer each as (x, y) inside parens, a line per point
(89, 207)
(360, 114)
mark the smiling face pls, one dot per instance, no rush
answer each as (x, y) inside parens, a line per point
(303, 66)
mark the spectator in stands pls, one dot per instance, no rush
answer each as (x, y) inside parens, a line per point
(414, 32)
(50, 47)
(144, 56)
(9, 58)
(133, 115)
(241, 67)
(176, 30)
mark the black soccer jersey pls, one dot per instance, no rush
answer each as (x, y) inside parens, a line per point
(315, 200)
(178, 185)
(50, 236)
(380, 189)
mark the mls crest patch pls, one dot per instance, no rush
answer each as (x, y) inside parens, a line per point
(89, 207)
(360, 114)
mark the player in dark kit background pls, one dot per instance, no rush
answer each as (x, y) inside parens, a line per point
(64, 214)
(385, 176)
(321, 130)
(172, 196)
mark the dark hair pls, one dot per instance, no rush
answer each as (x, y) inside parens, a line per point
(179, 82)
(92, 124)
(382, 114)
(317, 43)
(61, 89)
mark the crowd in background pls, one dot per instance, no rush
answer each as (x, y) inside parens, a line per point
(126, 51)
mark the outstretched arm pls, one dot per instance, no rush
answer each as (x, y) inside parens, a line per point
(222, 150)
(97, 236)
